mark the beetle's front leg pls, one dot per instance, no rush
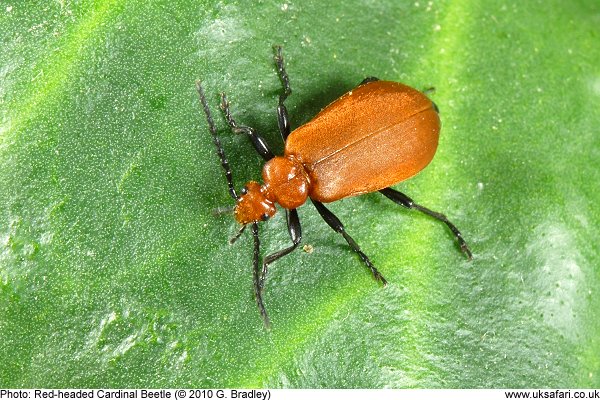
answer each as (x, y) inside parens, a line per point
(283, 119)
(259, 143)
(256, 277)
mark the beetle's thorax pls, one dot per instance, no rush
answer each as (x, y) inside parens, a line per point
(286, 182)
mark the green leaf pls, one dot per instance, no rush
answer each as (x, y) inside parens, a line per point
(115, 272)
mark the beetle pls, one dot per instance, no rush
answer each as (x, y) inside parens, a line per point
(374, 136)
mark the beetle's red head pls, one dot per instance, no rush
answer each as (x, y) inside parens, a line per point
(253, 205)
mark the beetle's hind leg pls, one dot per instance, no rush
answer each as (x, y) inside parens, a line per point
(368, 79)
(259, 143)
(427, 92)
(405, 201)
(337, 226)
(283, 119)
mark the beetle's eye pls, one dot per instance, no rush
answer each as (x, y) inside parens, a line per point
(265, 217)
(245, 190)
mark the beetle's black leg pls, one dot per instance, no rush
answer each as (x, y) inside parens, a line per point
(368, 79)
(337, 226)
(256, 277)
(259, 143)
(427, 92)
(404, 200)
(295, 231)
(217, 141)
(282, 114)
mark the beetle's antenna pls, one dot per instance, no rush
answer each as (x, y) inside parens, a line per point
(223, 210)
(255, 271)
(217, 141)
(237, 235)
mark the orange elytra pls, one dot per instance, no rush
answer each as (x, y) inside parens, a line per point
(374, 136)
